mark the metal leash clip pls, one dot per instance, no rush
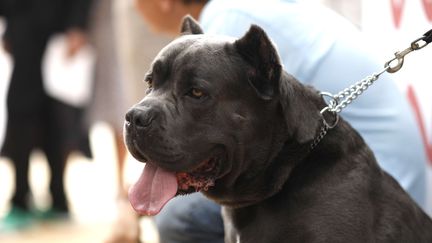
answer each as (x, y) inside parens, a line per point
(399, 56)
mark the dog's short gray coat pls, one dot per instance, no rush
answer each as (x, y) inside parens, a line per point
(230, 99)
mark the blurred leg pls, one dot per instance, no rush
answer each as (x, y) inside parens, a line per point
(57, 163)
(20, 160)
(58, 129)
(18, 151)
(22, 188)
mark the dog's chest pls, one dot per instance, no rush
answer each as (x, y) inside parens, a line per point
(243, 226)
(232, 233)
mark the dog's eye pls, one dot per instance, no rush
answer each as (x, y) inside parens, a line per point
(196, 93)
(149, 82)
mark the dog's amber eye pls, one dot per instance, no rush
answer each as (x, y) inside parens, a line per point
(149, 87)
(196, 93)
(149, 83)
(149, 80)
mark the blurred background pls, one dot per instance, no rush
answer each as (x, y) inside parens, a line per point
(92, 185)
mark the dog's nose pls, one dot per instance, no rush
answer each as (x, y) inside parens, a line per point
(140, 117)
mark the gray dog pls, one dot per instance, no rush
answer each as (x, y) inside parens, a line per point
(222, 117)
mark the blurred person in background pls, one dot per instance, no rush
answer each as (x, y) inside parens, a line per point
(320, 49)
(108, 103)
(34, 119)
(123, 47)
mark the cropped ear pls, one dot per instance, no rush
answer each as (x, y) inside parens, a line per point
(190, 26)
(257, 49)
(301, 108)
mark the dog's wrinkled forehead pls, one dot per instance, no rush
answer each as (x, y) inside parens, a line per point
(193, 57)
(194, 46)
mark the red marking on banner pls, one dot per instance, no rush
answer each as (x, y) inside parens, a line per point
(427, 6)
(396, 8)
(412, 98)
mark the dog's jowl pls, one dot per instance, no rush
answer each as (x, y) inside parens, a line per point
(222, 117)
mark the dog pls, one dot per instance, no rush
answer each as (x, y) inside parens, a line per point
(223, 118)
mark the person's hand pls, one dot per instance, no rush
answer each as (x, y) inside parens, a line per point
(76, 39)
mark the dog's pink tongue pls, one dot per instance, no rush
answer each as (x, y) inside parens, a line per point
(153, 190)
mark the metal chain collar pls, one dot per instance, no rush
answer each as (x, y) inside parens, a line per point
(337, 102)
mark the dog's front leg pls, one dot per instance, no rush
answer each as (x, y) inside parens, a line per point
(231, 234)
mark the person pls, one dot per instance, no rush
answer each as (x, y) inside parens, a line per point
(112, 32)
(321, 49)
(34, 119)
(107, 105)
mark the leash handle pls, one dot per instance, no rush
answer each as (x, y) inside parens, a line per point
(427, 37)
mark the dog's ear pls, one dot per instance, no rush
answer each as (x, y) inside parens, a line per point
(257, 49)
(190, 26)
(301, 109)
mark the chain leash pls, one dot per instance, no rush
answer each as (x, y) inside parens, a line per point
(336, 103)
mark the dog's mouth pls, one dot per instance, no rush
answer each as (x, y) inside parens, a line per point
(200, 179)
(156, 186)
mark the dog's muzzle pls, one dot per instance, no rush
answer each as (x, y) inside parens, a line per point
(140, 118)
(140, 121)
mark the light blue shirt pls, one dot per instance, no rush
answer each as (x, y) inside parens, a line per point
(322, 49)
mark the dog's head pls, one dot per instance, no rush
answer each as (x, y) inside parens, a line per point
(213, 119)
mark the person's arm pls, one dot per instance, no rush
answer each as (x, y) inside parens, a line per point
(76, 25)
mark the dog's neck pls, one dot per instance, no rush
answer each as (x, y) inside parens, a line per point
(292, 135)
(267, 181)
(291, 158)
